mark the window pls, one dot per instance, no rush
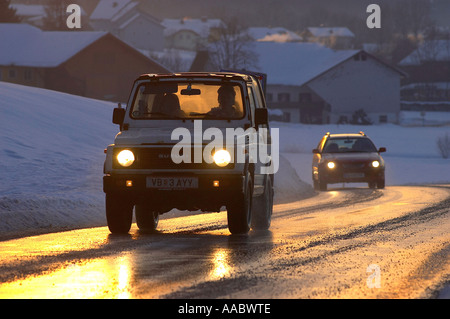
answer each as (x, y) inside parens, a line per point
(12, 74)
(345, 145)
(252, 102)
(188, 100)
(284, 97)
(269, 97)
(383, 119)
(304, 98)
(28, 75)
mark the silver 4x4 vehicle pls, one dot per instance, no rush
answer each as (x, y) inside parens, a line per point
(190, 141)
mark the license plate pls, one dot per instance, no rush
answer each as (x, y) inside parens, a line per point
(353, 175)
(172, 182)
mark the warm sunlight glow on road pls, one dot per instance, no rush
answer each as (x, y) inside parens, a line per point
(221, 266)
(99, 278)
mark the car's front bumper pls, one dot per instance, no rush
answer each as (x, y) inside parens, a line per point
(212, 190)
(341, 175)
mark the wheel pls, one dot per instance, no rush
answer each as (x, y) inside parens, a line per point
(380, 183)
(262, 207)
(146, 218)
(315, 184)
(372, 184)
(119, 214)
(240, 210)
(322, 184)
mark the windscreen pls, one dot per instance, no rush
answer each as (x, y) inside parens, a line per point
(187, 100)
(343, 145)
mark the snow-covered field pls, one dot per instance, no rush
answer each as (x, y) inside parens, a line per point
(52, 143)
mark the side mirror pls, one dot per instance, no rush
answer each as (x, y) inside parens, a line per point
(261, 117)
(118, 116)
(382, 150)
(315, 151)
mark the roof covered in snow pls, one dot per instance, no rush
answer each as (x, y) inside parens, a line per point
(26, 10)
(277, 34)
(436, 50)
(200, 26)
(293, 63)
(108, 9)
(26, 45)
(327, 32)
(297, 63)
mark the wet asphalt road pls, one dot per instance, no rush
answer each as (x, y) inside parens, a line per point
(344, 243)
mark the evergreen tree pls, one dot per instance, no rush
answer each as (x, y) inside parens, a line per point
(7, 14)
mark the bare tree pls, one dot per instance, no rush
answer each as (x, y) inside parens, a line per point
(7, 14)
(231, 48)
(56, 15)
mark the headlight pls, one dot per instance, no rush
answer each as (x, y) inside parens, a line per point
(125, 158)
(375, 164)
(331, 165)
(222, 158)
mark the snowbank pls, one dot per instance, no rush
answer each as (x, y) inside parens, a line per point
(52, 158)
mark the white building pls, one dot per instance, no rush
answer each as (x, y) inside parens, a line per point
(128, 22)
(336, 37)
(190, 34)
(277, 34)
(311, 83)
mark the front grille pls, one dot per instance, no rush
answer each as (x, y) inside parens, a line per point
(160, 158)
(354, 165)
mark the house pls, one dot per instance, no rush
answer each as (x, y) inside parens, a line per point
(311, 83)
(30, 13)
(336, 38)
(315, 84)
(125, 20)
(190, 34)
(428, 86)
(88, 63)
(277, 34)
(430, 62)
(35, 14)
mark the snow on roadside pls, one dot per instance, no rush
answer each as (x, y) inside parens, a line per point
(52, 158)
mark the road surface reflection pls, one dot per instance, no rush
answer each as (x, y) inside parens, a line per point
(132, 266)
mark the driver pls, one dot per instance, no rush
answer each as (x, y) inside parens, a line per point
(226, 99)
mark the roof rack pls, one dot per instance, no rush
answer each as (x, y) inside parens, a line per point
(362, 133)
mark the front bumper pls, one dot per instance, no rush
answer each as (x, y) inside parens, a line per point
(341, 175)
(213, 190)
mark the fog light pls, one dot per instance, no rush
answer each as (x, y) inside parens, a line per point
(216, 183)
(331, 165)
(129, 183)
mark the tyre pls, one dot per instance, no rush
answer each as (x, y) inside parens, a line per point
(240, 210)
(380, 184)
(315, 184)
(322, 184)
(119, 214)
(146, 218)
(262, 207)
